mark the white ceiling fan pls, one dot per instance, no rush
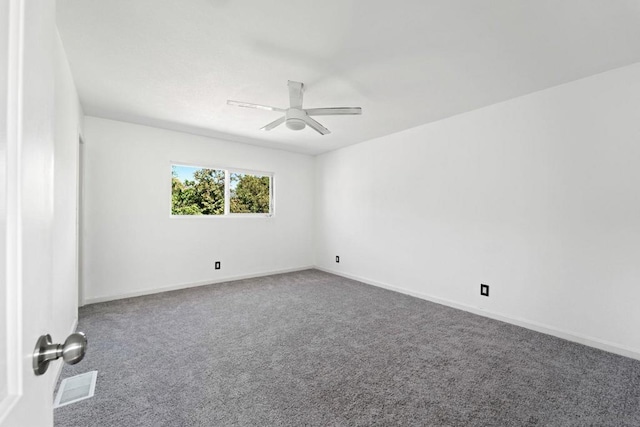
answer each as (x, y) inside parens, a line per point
(297, 117)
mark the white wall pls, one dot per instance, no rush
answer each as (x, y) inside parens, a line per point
(537, 197)
(68, 123)
(132, 246)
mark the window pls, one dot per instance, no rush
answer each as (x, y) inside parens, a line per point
(249, 193)
(197, 190)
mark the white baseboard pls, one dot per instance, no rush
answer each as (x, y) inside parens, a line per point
(535, 326)
(94, 300)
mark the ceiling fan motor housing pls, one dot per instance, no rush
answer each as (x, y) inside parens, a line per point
(295, 118)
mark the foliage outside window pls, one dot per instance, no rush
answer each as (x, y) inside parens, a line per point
(249, 193)
(206, 191)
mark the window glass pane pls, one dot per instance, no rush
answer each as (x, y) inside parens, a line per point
(196, 191)
(249, 193)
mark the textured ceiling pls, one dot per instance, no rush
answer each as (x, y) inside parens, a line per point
(173, 64)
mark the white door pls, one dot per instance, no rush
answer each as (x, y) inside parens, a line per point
(27, 30)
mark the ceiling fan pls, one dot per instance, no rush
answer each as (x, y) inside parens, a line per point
(296, 117)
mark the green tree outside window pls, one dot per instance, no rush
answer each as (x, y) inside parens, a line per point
(205, 193)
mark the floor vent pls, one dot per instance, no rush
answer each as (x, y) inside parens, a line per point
(74, 389)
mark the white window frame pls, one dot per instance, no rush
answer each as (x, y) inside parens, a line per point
(227, 191)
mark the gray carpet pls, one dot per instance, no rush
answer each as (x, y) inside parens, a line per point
(311, 348)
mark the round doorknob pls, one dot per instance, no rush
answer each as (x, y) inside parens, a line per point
(74, 348)
(72, 351)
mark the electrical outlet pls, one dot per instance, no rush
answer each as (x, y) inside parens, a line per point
(217, 265)
(484, 290)
(337, 258)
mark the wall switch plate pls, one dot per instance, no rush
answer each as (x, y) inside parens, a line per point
(217, 265)
(484, 290)
(337, 258)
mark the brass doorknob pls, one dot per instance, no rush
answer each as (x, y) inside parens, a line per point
(72, 351)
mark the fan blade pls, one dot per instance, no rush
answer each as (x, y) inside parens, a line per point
(333, 111)
(316, 126)
(274, 124)
(295, 94)
(258, 106)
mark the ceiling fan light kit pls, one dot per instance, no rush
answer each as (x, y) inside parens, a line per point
(295, 117)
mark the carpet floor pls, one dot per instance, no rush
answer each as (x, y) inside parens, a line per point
(314, 349)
